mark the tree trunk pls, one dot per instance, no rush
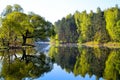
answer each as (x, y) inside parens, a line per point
(24, 40)
(24, 56)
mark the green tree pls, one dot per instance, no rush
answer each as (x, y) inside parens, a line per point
(100, 27)
(7, 10)
(66, 29)
(17, 8)
(10, 9)
(18, 26)
(85, 26)
(112, 17)
(42, 28)
(91, 27)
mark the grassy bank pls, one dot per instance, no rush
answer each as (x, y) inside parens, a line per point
(91, 44)
(112, 44)
(108, 44)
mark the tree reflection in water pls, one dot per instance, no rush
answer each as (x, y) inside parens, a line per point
(112, 69)
(22, 65)
(99, 61)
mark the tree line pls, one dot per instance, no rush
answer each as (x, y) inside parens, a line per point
(100, 26)
(19, 28)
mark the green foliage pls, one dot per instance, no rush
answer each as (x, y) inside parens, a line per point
(42, 29)
(17, 8)
(19, 27)
(22, 22)
(85, 26)
(101, 27)
(14, 25)
(10, 9)
(66, 30)
(91, 27)
(112, 17)
(7, 10)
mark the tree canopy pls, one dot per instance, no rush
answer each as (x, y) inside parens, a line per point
(22, 28)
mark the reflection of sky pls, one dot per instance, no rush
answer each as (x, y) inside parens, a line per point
(42, 47)
(58, 74)
(0, 65)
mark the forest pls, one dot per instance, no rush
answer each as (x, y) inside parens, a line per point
(99, 27)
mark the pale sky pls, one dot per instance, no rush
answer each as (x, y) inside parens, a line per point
(53, 10)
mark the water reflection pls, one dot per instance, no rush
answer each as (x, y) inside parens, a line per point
(101, 61)
(64, 56)
(112, 69)
(62, 63)
(21, 63)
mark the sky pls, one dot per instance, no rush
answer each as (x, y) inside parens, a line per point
(53, 10)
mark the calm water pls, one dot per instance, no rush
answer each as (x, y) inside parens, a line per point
(60, 63)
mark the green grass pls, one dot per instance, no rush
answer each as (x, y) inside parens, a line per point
(112, 44)
(97, 44)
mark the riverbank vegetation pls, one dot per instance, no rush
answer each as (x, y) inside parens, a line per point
(100, 27)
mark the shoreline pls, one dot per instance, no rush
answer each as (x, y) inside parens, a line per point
(16, 47)
(108, 44)
(89, 44)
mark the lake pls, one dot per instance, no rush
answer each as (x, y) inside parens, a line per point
(45, 62)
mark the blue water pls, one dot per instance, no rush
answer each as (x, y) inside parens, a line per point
(59, 74)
